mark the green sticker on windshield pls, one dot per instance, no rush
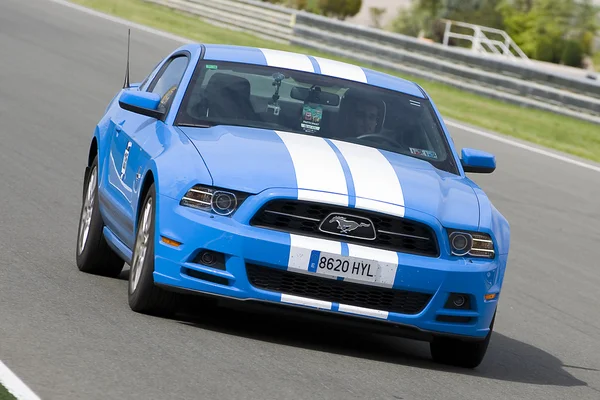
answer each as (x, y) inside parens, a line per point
(311, 118)
(210, 66)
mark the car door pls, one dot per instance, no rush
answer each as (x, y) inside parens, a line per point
(128, 156)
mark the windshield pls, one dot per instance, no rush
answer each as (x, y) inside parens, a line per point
(223, 93)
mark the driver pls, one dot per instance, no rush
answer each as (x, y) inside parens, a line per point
(361, 114)
(364, 117)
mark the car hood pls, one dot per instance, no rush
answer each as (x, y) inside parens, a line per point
(252, 160)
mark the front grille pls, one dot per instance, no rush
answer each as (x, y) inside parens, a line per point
(391, 300)
(304, 218)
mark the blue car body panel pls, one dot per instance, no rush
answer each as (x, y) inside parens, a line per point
(134, 150)
(258, 159)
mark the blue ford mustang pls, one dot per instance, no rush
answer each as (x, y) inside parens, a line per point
(276, 177)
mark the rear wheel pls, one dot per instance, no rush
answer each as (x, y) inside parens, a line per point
(93, 255)
(465, 354)
(144, 296)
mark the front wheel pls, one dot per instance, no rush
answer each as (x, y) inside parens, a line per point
(93, 255)
(144, 296)
(460, 353)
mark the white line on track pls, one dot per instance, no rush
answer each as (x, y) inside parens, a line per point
(14, 385)
(478, 132)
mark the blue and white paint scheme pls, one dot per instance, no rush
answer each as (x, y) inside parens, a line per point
(134, 149)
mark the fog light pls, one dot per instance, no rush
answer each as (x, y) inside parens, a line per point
(459, 301)
(208, 258)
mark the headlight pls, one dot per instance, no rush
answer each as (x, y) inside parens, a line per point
(218, 201)
(474, 244)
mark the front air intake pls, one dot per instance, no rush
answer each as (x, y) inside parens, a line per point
(304, 285)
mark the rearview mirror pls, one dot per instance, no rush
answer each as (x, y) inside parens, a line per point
(478, 161)
(325, 98)
(143, 103)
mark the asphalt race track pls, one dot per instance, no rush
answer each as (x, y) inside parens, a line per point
(69, 335)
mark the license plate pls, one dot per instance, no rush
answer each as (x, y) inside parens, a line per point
(343, 266)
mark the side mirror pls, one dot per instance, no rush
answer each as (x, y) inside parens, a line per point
(143, 103)
(478, 161)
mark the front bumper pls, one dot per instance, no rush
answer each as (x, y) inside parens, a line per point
(247, 248)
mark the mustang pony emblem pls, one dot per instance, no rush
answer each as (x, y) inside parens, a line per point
(346, 226)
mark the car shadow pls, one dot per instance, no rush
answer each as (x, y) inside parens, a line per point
(124, 275)
(507, 359)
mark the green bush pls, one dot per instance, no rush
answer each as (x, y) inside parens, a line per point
(419, 18)
(376, 13)
(587, 41)
(544, 29)
(572, 54)
(340, 9)
(311, 6)
(299, 4)
(547, 49)
(408, 23)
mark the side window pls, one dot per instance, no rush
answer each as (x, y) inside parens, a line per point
(168, 81)
(146, 81)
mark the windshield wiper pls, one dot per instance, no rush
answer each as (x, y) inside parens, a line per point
(201, 124)
(244, 124)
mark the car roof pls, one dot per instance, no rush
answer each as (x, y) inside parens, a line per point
(307, 63)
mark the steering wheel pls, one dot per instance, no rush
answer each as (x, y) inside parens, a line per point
(391, 142)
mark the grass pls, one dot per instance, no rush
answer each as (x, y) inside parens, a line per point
(559, 132)
(5, 394)
(596, 60)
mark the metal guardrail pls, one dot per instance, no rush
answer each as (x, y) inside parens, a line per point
(481, 43)
(263, 19)
(452, 54)
(524, 84)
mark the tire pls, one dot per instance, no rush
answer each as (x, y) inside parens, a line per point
(459, 353)
(93, 254)
(143, 295)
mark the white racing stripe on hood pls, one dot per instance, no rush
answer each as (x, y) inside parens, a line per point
(284, 59)
(319, 197)
(341, 70)
(375, 180)
(317, 168)
(386, 208)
